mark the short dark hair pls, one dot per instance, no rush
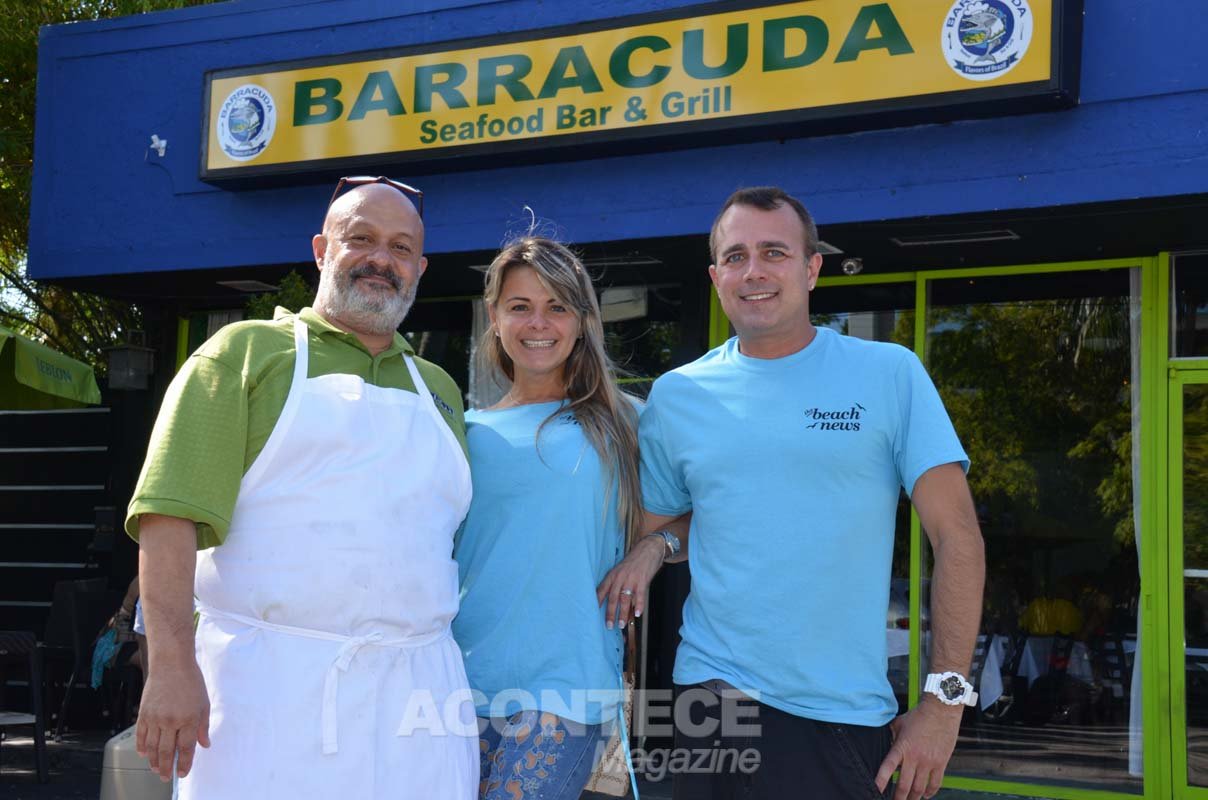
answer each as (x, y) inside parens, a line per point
(767, 198)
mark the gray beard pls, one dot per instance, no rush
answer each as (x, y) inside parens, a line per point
(371, 312)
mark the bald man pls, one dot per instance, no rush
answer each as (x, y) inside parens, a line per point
(303, 483)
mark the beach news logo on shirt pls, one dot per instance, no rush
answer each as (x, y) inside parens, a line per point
(845, 419)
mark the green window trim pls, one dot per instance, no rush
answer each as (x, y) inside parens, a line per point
(1179, 378)
(182, 341)
(719, 323)
(1033, 789)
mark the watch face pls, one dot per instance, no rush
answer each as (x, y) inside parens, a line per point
(952, 687)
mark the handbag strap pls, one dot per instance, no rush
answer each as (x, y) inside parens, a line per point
(630, 663)
(629, 670)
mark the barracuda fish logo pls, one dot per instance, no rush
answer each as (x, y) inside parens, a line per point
(984, 39)
(983, 32)
(246, 122)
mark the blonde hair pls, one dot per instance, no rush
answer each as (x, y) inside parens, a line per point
(607, 415)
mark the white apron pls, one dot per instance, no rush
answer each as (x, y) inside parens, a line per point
(324, 630)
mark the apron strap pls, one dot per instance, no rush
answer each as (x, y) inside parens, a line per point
(425, 393)
(349, 647)
(421, 388)
(255, 472)
(301, 353)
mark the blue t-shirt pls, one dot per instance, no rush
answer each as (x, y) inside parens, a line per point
(793, 469)
(541, 533)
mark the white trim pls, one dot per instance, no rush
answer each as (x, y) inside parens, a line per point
(89, 449)
(43, 564)
(50, 487)
(102, 410)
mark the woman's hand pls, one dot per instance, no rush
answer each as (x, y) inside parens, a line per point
(626, 584)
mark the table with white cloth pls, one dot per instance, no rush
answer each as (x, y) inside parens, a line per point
(897, 642)
(1034, 663)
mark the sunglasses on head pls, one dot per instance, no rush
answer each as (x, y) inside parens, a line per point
(411, 192)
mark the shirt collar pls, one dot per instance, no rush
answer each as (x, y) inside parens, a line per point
(321, 326)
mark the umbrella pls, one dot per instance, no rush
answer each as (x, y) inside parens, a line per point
(32, 376)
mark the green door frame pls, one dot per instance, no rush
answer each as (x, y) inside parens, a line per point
(1153, 615)
(1182, 373)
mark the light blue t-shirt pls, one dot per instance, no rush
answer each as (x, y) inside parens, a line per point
(541, 533)
(793, 468)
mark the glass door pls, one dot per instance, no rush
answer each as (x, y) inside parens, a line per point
(1189, 581)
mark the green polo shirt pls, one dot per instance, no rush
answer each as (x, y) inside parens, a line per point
(221, 407)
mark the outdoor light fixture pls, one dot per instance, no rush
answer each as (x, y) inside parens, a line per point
(131, 364)
(967, 237)
(250, 286)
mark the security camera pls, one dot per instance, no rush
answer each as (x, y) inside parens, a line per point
(852, 266)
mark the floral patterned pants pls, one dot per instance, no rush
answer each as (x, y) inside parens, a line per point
(534, 755)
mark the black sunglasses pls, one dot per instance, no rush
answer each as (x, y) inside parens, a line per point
(345, 184)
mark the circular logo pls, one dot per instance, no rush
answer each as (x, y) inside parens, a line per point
(246, 122)
(983, 39)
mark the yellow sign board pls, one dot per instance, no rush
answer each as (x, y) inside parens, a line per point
(718, 69)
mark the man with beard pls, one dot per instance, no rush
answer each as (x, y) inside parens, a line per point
(303, 482)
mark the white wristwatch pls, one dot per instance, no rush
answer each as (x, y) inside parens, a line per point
(951, 689)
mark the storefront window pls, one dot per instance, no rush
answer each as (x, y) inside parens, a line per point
(1189, 320)
(881, 313)
(1195, 578)
(439, 330)
(1038, 373)
(643, 332)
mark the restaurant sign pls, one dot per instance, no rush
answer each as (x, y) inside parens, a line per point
(717, 67)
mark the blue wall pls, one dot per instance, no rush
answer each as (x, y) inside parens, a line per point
(103, 205)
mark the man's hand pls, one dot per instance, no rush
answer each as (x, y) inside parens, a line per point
(923, 740)
(626, 584)
(173, 717)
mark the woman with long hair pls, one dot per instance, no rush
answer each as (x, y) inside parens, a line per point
(556, 499)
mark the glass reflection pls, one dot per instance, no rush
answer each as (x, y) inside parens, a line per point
(881, 313)
(644, 339)
(1037, 373)
(1189, 290)
(1195, 583)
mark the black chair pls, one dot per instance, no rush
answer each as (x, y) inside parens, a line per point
(1113, 671)
(21, 647)
(1054, 697)
(980, 649)
(78, 611)
(1006, 707)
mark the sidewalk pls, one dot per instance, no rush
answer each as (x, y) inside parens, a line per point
(75, 772)
(75, 768)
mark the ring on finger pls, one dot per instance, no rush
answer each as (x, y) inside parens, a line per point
(627, 591)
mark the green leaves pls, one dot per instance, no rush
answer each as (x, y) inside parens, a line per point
(78, 324)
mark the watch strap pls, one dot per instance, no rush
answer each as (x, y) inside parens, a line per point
(932, 686)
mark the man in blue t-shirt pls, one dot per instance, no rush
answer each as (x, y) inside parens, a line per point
(790, 445)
